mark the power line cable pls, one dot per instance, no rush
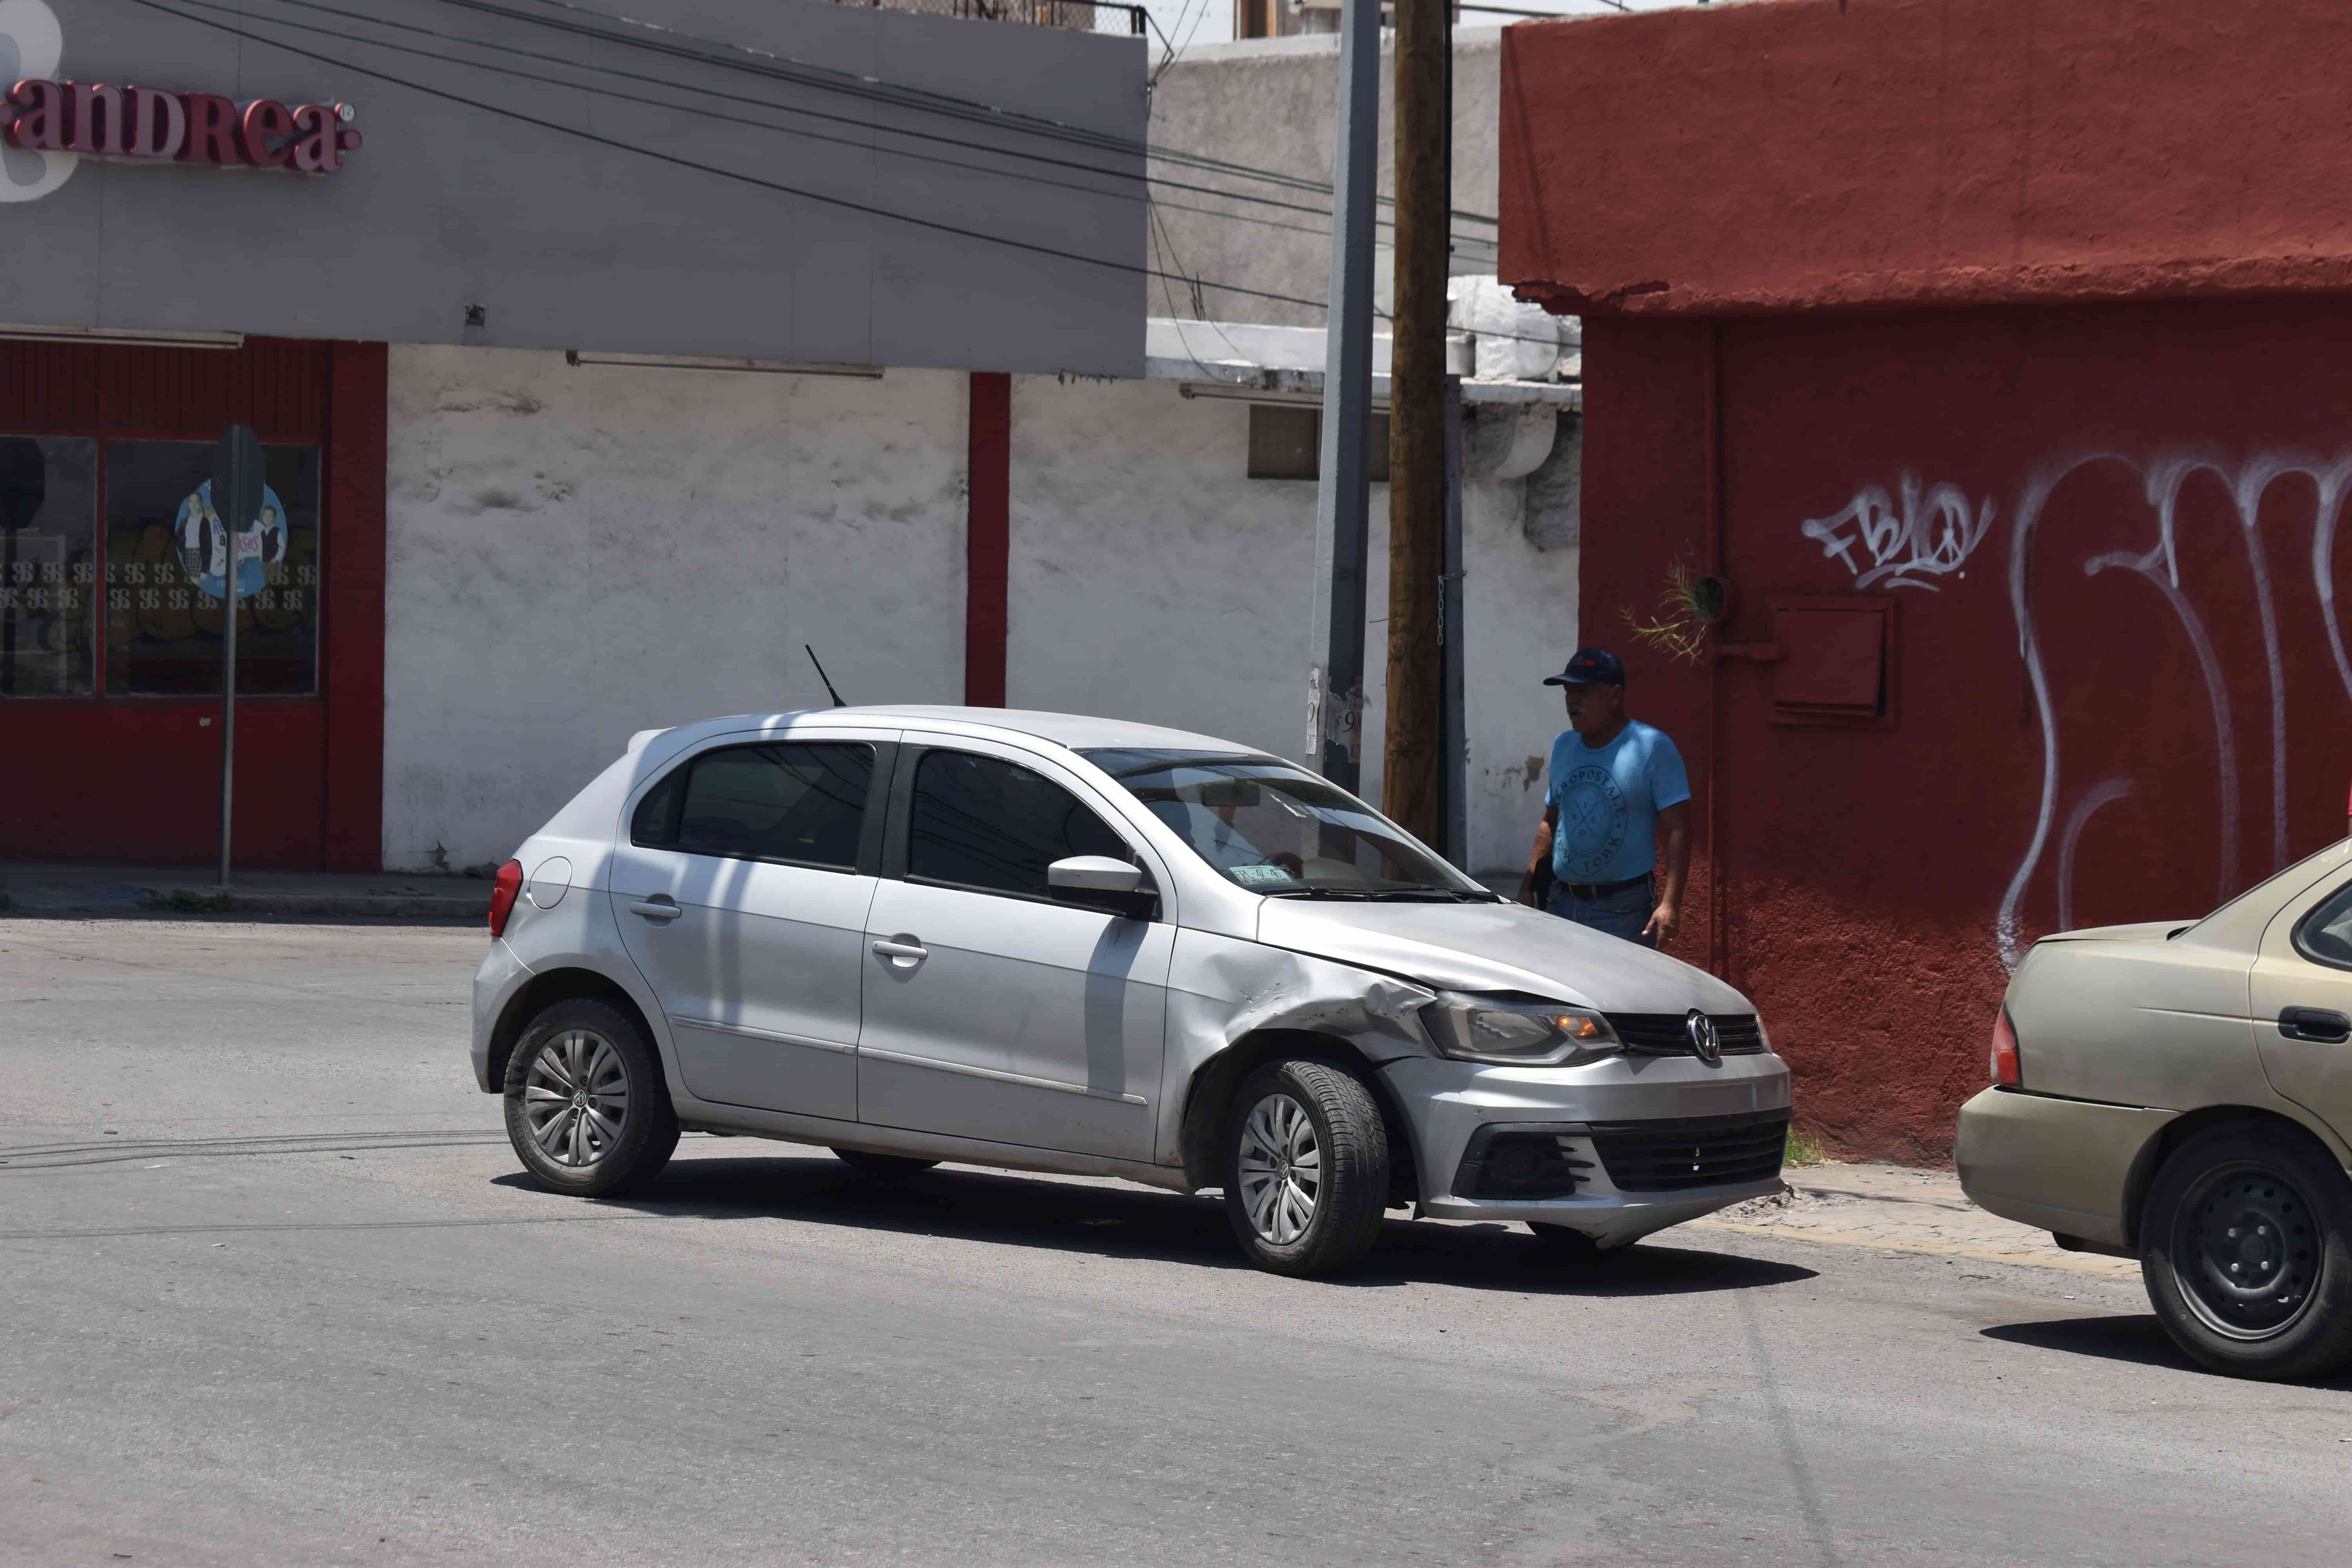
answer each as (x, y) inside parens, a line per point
(857, 144)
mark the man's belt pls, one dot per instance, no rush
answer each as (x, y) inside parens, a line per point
(1591, 890)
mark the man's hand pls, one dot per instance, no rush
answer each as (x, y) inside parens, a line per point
(1665, 920)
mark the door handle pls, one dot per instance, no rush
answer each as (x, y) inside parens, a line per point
(910, 950)
(656, 907)
(2322, 1026)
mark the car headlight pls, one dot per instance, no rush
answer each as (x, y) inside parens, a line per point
(1517, 1033)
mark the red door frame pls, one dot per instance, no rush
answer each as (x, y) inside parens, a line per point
(134, 778)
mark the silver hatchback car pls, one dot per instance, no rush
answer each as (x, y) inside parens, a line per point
(1055, 943)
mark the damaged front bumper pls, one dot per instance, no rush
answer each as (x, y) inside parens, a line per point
(1616, 1150)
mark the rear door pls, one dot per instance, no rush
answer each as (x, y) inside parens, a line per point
(742, 893)
(993, 1010)
(2302, 1002)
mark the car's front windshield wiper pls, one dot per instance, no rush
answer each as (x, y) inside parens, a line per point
(1353, 893)
(1439, 895)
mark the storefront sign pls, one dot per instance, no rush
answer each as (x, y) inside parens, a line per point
(98, 119)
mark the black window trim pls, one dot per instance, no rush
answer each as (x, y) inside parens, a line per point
(2302, 948)
(900, 830)
(869, 823)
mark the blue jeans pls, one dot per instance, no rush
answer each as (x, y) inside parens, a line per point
(1621, 913)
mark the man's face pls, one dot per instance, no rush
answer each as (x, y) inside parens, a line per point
(1592, 709)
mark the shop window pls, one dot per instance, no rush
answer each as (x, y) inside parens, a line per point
(48, 565)
(163, 629)
(1836, 667)
(1285, 442)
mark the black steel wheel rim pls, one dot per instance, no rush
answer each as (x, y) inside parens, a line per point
(2246, 1251)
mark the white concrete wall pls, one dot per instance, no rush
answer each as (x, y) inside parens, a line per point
(1152, 579)
(576, 554)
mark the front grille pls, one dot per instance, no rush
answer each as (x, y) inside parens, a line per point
(1668, 1156)
(1669, 1034)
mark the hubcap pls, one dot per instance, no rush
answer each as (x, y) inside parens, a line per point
(1281, 1169)
(2246, 1253)
(576, 1097)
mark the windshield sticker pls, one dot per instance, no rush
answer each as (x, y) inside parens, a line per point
(1256, 875)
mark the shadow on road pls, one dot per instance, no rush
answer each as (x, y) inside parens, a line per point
(1121, 1222)
(2139, 1340)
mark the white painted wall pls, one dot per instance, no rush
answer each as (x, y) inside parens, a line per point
(1152, 579)
(576, 554)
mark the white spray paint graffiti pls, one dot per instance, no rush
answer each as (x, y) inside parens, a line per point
(1934, 532)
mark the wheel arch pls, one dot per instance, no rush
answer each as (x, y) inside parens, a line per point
(1213, 1082)
(544, 991)
(2141, 1178)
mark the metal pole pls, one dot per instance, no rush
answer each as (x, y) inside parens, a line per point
(1343, 498)
(228, 681)
(1453, 748)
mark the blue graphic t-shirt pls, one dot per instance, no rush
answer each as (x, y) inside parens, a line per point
(1609, 801)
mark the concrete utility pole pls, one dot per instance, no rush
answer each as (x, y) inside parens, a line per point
(1411, 790)
(1343, 498)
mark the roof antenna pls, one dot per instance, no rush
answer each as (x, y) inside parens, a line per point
(829, 691)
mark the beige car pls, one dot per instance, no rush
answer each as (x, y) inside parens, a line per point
(2181, 1093)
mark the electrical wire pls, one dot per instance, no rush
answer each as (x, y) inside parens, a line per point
(865, 125)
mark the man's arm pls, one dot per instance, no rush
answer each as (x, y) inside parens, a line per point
(1673, 842)
(1536, 853)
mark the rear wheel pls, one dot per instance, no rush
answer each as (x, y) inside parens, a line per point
(882, 1167)
(2247, 1253)
(587, 1110)
(1306, 1168)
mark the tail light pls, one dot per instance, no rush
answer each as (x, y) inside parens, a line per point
(502, 896)
(2006, 1070)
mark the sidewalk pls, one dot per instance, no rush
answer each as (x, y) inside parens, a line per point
(33, 888)
(1898, 1209)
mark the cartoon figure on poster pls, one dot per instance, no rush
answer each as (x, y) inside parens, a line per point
(203, 543)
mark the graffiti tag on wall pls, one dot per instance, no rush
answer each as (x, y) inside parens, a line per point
(1932, 532)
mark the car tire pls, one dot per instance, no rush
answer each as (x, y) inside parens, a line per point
(2246, 1250)
(588, 1109)
(1558, 1243)
(1306, 1167)
(882, 1167)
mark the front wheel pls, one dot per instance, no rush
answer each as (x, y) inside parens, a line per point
(586, 1106)
(1306, 1168)
(2246, 1250)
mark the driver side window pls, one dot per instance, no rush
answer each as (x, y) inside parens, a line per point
(994, 825)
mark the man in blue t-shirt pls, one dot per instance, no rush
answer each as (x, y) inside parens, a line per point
(1617, 802)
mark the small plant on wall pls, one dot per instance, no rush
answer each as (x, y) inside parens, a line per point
(1689, 609)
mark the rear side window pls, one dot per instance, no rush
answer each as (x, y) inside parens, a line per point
(797, 802)
(2326, 935)
(996, 826)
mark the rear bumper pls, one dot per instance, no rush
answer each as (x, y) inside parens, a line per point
(2060, 1165)
(1448, 1102)
(501, 975)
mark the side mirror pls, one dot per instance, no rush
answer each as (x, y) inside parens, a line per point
(1099, 882)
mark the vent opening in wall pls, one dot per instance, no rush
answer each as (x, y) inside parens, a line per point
(1285, 442)
(1836, 668)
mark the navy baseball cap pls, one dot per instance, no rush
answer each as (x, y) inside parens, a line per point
(1591, 667)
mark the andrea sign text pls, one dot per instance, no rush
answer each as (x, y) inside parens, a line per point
(98, 119)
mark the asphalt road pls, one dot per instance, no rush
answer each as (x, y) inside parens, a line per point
(271, 1290)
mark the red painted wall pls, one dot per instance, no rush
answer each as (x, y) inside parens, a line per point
(1865, 872)
(137, 778)
(1806, 152)
(988, 539)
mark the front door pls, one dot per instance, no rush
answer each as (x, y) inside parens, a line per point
(741, 896)
(992, 1010)
(2302, 1002)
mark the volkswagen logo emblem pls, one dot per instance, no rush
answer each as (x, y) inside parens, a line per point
(1704, 1043)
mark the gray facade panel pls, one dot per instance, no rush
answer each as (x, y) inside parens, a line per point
(567, 242)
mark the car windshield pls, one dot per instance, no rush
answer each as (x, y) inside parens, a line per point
(1275, 828)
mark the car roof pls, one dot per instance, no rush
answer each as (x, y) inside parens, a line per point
(1075, 731)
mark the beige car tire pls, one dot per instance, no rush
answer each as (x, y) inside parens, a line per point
(2246, 1250)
